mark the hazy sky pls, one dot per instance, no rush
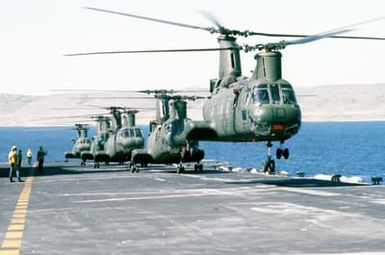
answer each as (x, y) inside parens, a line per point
(34, 35)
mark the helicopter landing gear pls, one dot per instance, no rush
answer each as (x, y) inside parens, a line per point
(198, 167)
(134, 168)
(282, 152)
(180, 168)
(269, 165)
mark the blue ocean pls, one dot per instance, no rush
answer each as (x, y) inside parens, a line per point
(347, 148)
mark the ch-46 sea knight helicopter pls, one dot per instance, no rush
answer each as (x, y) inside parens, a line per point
(99, 140)
(115, 140)
(82, 144)
(167, 141)
(260, 108)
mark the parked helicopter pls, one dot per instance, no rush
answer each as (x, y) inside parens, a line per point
(81, 145)
(167, 141)
(115, 140)
(260, 108)
(98, 141)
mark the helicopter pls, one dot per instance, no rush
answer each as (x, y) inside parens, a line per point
(167, 141)
(98, 141)
(81, 145)
(262, 108)
(115, 139)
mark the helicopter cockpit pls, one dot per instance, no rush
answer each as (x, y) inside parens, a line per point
(130, 133)
(273, 94)
(175, 127)
(83, 140)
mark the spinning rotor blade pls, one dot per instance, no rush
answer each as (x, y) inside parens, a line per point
(147, 51)
(225, 31)
(333, 33)
(316, 37)
(332, 36)
(210, 29)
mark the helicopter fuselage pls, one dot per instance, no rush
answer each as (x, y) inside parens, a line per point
(250, 110)
(82, 143)
(120, 144)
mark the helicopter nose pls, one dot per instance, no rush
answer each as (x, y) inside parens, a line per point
(275, 122)
(176, 139)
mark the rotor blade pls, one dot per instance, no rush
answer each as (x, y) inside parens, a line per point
(224, 30)
(147, 51)
(323, 35)
(89, 90)
(210, 29)
(333, 36)
(333, 33)
(107, 97)
(212, 18)
(316, 37)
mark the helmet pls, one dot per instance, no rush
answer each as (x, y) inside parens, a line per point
(13, 147)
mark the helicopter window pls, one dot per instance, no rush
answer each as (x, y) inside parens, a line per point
(288, 94)
(132, 134)
(125, 133)
(176, 128)
(275, 93)
(260, 94)
(138, 133)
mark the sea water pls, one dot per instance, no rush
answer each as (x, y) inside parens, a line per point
(347, 148)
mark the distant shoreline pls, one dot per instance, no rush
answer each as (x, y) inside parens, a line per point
(143, 125)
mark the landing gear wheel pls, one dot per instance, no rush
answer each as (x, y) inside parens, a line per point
(279, 153)
(198, 167)
(134, 168)
(180, 169)
(286, 153)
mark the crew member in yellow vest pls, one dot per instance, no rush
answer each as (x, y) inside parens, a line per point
(12, 160)
(29, 156)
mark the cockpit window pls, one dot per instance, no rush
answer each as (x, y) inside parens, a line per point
(138, 133)
(288, 94)
(125, 133)
(275, 93)
(261, 94)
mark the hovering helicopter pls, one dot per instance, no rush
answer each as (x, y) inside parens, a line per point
(81, 145)
(241, 109)
(167, 141)
(115, 140)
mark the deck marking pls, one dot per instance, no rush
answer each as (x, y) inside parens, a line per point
(11, 243)
(14, 234)
(12, 240)
(9, 252)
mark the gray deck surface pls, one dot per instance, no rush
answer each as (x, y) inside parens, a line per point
(74, 210)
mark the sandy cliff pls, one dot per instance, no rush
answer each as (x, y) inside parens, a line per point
(321, 103)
